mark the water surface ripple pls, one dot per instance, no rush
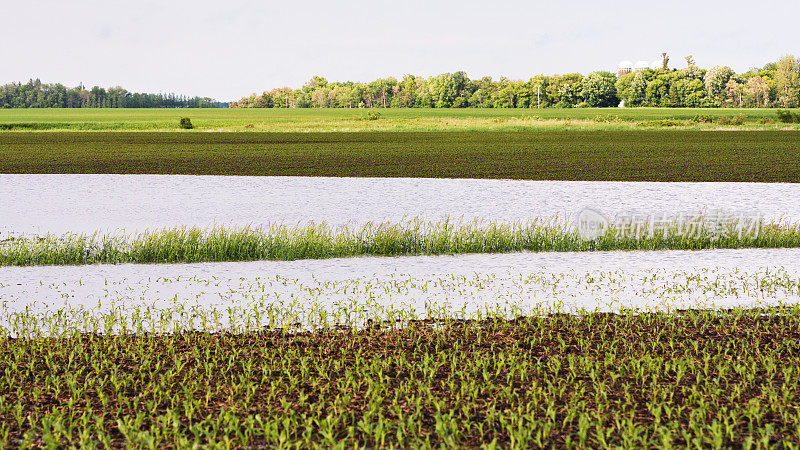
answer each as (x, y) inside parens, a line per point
(109, 203)
(636, 279)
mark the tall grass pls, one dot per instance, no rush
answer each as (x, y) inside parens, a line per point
(319, 241)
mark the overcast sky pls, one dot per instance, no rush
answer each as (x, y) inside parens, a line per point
(229, 49)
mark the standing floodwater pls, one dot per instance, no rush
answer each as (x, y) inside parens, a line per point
(567, 281)
(88, 203)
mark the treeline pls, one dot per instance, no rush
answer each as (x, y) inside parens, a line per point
(774, 85)
(35, 94)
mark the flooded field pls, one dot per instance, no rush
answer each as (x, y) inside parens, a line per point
(568, 281)
(351, 289)
(420, 349)
(112, 203)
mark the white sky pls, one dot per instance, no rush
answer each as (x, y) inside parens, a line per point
(229, 49)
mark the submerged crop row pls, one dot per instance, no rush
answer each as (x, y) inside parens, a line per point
(703, 379)
(317, 241)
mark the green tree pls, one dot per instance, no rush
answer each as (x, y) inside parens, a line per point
(564, 91)
(691, 71)
(315, 82)
(716, 79)
(408, 93)
(733, 92)
(757, 90)
(658, 89)
(695, 94)
(506, 96)
(599, 89)
(787, 81)
(445, 88)
(638, 90)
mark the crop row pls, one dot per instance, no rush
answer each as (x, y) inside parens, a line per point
(644, 155)
(708, 379)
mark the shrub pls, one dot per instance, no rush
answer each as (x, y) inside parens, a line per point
(731, 120)
(766, 121)
(787, 116)
(702, 118)
(371, 115)
(662, 123)
(605, 118)
(186, 123)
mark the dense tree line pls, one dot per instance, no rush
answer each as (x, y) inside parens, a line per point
(35, 94)
(774, 85)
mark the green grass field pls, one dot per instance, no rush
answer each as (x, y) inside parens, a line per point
(641, 155)
(329, 120)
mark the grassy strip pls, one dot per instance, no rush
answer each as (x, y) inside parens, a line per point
(189, 245)
(392, 119)
(693, 379)
(664, 155)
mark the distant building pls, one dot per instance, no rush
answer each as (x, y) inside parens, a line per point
(626, 67)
